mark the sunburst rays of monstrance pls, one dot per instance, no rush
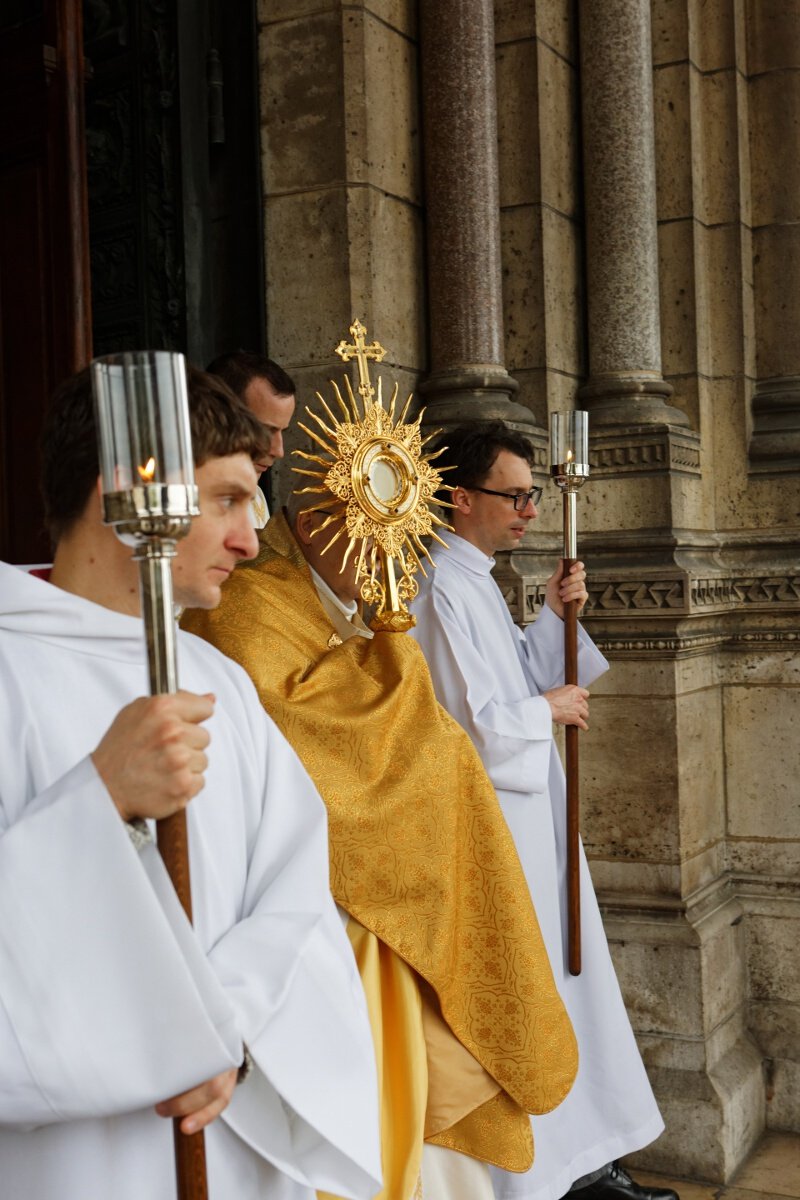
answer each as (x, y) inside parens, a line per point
(377, 485)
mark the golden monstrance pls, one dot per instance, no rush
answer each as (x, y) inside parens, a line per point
(381, 484)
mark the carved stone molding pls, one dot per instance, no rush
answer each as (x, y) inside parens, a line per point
(644, 450)
(689, 644)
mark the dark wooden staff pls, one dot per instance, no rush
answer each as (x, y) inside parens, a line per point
(569, 467)
(573, 784)
(155, 579)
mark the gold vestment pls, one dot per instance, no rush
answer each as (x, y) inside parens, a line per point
(420, 853)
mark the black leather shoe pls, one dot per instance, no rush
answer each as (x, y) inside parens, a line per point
(617, 1184)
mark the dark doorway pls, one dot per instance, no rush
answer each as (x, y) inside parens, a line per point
(171, 153)
(44, 278)
(174, 178)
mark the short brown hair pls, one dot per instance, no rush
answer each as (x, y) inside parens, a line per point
(469, 451)
(240, 367)
(221, 425)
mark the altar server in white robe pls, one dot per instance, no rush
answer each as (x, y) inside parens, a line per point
(505, 687)
(116, 1014)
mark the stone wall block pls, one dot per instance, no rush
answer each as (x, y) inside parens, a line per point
(776, 255)
(762, 752)
(532, 394)
(308, 301)
(641, 502)
(701, 770)
(783, 1095)
(563, 293)
(719, 300)
(712, 34)
(558, 124)
(715, 147)
(631, 815)
(391, 156)
(556, 27)
(386, 278)
(773, 33)
(661, 986)
(677, 302)
(271, 12)
(724, 969)
(523, 287)
(303, 144)
(517, 124)
(774, 137)
(401, 15)
(773, 936)
(674, 137)
(513, 20)
(670, 31)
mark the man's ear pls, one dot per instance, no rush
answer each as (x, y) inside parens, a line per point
(461, 498)
(303, 527)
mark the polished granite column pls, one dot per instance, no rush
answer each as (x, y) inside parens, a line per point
(467, 377)
(625, 385)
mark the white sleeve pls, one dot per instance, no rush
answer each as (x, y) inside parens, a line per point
(542, 645)
(107, 1004)
(513, 740)
(311, 1104)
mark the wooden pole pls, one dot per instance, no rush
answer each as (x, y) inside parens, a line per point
(573, 790)
(155, 579)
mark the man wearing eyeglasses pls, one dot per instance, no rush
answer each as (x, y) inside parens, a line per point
(505, 687)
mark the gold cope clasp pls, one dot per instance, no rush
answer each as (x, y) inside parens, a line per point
(378, 486)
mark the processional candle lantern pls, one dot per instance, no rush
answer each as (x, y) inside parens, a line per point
(569, 458)
(150, 498)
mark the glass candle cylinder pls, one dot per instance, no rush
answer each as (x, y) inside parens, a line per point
(569, 441)
(143, 426)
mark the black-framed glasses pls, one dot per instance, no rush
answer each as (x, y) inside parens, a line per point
(521, 500)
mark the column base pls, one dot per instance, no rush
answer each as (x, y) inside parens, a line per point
(630, 400)
(478, 393)
(775, 443)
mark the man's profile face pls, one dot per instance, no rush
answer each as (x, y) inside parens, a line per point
(492, 523)
(221, 536)
(273, 410)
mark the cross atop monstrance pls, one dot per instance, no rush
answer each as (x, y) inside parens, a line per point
(362, 352)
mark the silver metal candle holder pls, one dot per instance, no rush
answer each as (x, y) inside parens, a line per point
(147, 471)
(569, 458)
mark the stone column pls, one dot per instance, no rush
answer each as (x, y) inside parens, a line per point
(467, 377)
(773, 57)
(625, 384)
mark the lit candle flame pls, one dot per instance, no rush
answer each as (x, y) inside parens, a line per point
(569, 456)
(147, 472)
